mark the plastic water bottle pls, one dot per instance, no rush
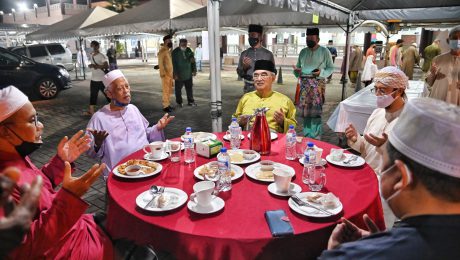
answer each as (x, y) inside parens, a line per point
(309, 162)
(291, 140)
(225, 178)
(235, 132)
(189, 146)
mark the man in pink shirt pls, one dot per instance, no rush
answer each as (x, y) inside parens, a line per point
(60, 229)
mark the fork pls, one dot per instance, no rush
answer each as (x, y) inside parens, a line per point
(160, 191)
(302, 203)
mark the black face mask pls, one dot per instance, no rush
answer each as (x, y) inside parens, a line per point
(253, 41)
(169, 44)
(25, 148)
(311, 44)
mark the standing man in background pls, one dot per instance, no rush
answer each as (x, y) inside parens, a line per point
(356, 59)
(409, 59)
(112, 55)
(429, 53)
(371, 51)
(333, 51)
(248, 57)
(396, 54)
(198, 56)
(184, 70)
(166, 72)
(99, 65)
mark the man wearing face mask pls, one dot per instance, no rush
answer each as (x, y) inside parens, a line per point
(184, 70)
(444, 75)
(60, 229)
(420, 183)
(166, 72)
(314, 63)
(248, 57)
(119, 128)
(390, 84)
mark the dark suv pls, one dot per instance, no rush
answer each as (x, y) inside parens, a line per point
(33, 78)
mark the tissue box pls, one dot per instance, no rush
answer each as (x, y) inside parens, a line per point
(208, 148)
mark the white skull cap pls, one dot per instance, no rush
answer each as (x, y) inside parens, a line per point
(11, 100)
(392, 77)
(111, 76)
(428, 132)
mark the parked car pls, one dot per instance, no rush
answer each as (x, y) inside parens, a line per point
(33, 78)
(50, 53)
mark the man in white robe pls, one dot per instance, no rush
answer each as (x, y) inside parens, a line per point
(390, 84)
(119, 128)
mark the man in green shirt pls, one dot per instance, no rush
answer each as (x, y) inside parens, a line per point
(429, 53)
(184, 69)
(313, 67)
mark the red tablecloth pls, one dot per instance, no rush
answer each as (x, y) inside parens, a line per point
(239, 231)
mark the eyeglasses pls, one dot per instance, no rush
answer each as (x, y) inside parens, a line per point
(34, 120)
(380, 91)
(263, 75)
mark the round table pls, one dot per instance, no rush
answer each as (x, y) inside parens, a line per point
(240, 230)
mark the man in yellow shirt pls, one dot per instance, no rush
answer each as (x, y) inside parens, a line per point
(281, 111)
(166, 72)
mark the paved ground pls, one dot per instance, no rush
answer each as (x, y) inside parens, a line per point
(63, 115)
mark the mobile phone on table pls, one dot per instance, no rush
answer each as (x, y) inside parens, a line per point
(279, 223)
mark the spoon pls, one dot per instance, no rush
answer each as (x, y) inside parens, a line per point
(153, 190)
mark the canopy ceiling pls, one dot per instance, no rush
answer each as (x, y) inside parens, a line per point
(70, 27)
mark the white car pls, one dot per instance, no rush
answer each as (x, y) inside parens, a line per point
(50, 53)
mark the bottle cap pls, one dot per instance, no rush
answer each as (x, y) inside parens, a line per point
(188, 129)
(310, 144)
(291, 126)
(233, 119)
(223, 150)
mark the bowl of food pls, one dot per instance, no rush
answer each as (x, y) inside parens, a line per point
(266, 165)
(133, 170)
(249, 155)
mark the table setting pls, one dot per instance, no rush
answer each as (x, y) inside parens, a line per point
(191, 203)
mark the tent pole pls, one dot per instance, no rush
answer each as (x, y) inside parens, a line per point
(212, 66)
(217, 79)
(80, 39)
(346, 59)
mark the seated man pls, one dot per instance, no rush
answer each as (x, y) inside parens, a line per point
(60, 229)
(282, 110)
(421, 184)
(119, 128)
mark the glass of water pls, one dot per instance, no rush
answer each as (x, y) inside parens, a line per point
(174, 150)
(316, 178)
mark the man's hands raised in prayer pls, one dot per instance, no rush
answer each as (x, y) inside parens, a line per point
(99, 137)
(80, 185)
(375, 140)
(70, 150)
(279, 116)
(164, 121)
(349, 232)
(351, 133)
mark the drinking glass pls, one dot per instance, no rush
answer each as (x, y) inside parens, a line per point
(300, 146)
(316, 178)
(174, 150)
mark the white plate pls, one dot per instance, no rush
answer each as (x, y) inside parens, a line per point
(323, 161)
(227, 137)
(293, 189)
(237, 169)
(142, 200)
(360, 161)
(252, 169)
(273, 135)
(148, 158)
(216, 205)
(158, 170)
(311, 212)
(255, 159)
(201, 136)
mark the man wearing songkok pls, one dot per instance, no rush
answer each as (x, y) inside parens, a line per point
(166, 72)
(248, 57)
(410, 57)
(313, 67)
(420, 183)
(281, 111)
(119, 128)
(60, 229)
(444, 75)
(396, 54)
(390, 85)
(184, 69)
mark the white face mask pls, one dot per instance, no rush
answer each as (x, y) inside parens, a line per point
(454, 45)
(385, 100)
(183, 48)
(392, 196)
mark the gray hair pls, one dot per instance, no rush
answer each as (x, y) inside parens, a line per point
(454, 30)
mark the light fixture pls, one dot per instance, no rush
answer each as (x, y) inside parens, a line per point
(13, 10)
(22, 7)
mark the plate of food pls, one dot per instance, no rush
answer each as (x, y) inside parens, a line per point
(242, 156)
(320, 205)
(201, 136)
(346, 160)
(210, 170)
(227, 137)
(170, 199)
(263, 170)
(135, 169)
(273, 135)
